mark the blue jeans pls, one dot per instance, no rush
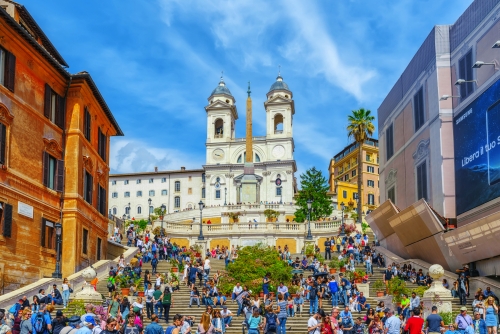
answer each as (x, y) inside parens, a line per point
(313, 306)
(226, 261)
(290, 312)
(345, 301)
(65, 296)
(335, 299)
(159, 305)
(367, 306)
(240, 309)
(253, 331)
(196, 300)
(282, 325)
(227, 321)
(369, 269)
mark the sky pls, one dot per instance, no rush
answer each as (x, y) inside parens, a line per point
(157, 61)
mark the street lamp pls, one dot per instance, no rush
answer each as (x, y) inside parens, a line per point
(309, 206)
(163, 208)
(225, 196)
(342, 206)
(149, 211)
(128, 216)
(201, 237)
(57, 273)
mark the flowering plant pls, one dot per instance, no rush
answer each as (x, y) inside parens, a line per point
(348, 229)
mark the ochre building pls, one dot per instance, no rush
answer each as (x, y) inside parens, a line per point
(54, 156)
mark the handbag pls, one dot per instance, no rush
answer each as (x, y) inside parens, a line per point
(70, 290)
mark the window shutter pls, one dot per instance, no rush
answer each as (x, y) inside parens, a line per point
(10, 70)
(91, 188)
(99, 198)
(42, 234)
(46, 102)
(61, 111)
(103, 201)
(3, 136)
(7, 220)
(45, 169)
(59, 186)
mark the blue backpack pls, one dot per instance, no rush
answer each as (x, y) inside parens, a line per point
(271, 322)
(39, 325)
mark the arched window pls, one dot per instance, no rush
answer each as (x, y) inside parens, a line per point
(219, 128)
(127, 210)
(177, 185)
(151, 209)
(203, 177)
(114, 211)
(139, 210)
(190, 206)
(257, 158)
(177, 202)
(242, 158)
(278, 124)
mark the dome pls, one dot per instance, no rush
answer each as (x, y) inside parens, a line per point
(279, 85)
(221, 89)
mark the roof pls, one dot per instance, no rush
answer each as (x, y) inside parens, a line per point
(86, 76)
(33, 28)
(355, 145)
(159, 172)
(33, 42)
(221, 88)
(279, 84)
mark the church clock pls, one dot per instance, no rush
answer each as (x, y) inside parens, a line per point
(218, 154)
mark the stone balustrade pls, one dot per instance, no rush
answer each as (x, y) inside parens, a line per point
(76, 280)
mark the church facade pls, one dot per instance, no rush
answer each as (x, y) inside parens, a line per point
(218, 182)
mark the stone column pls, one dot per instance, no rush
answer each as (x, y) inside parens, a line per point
(437, 294)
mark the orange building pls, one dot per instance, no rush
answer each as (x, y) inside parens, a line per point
(54, 156)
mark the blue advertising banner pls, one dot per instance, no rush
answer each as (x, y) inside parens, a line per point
(476, 132)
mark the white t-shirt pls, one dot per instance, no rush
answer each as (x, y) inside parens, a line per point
(65, 287)
(311, 323)
(149, 295)
(237, 290)
(139, 305)
(225, 313)
(207, 264)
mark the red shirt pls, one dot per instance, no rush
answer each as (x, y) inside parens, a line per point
(414, 325)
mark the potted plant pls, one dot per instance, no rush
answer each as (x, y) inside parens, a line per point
(123, 284)
(271, 214)
(358, 275)
(310, 250)
(334, 263)
(272, 291)
(379, 285)
(174, 262)
(234, 216)
(342, 266)
(397, 287)
(139, 287)
(197, 249)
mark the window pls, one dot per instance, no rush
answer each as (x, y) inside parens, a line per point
(151, 193)
(139, 193)
(53, 172)
(151, 180)
(151, 210)
(177, 202)
(346, 177)
(164, 192)
(391, 194)
(127, 210)
(113, 182)
(257, 158)
(371, 183)
(127, 194)
(102, 143)
(190, 191)
(368, 157)
(163, 180)
(389, 142)
(355, 195)
(114, 211)
(101, 200)
(138, 181)
(278, 191)
(85, 241)
(125, 182)
(418, 109)
(6, 220)
(371, 199)
(87, 124)
(353, 173)
(422, 181)
(217, 194)
(203, 192)
(54, 108)
(48, 234)
(177, 186)
(189, 178)
(7, 69)
(99, 245)
(203, 177)
(88, 186)
(370, 169)
(139, 210)
(344, 193)
(465, 73)
(114, 195)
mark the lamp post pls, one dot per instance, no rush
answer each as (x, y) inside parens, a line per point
(149, 212)
(225, 196)
(201, 237)
(128, 215)
(57, 273)
(309, 206)
(163, 209)
(342, 207)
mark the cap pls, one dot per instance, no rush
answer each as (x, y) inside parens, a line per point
(89, 320)
(74, 318)
(463, 308)
(59, 313)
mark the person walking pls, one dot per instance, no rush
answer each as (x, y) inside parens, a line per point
(463, 289)
(463, 320)
(414, 324)
(153, 327)
(282, 314)
(149, 300)
(434, 322)
(393, 323)
(166, 302)
(479, 324)
(491, 315)
(328, 249)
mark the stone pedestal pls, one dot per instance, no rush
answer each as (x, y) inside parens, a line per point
(249, 184)
(88, 293)
(437, 294)
(365, 288)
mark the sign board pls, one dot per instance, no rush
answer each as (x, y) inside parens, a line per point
(25, 209)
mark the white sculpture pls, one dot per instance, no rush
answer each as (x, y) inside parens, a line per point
(437, 294)
(88, 291)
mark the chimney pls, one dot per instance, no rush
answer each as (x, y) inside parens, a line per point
(183, 168)
(156, 169)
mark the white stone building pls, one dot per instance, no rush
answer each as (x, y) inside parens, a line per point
(218, 183)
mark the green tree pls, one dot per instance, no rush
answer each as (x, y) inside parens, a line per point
(141, 224)
(360, 128)
(314, 186)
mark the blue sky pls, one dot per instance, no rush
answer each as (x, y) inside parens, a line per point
(157, 61)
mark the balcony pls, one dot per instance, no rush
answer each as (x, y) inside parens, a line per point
(278, 132)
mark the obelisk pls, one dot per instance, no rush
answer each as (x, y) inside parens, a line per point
(249, 181)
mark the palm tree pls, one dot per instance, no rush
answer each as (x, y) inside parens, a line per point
(360, 128)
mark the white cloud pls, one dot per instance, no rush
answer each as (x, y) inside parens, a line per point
(131, 155)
